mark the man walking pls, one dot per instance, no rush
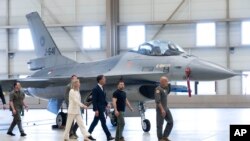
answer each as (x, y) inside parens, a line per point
(119, 102)
(99, 106)
(162, 110)
(16, 105)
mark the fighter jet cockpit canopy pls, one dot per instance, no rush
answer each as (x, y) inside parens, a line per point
(159, 48)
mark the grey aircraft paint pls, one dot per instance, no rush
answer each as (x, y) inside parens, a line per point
(140, 69)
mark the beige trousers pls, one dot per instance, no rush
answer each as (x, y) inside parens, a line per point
(79, 121)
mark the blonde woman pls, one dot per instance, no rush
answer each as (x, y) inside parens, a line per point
(74, 110)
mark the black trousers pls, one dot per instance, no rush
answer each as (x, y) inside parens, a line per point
(101, 117)
(73, 128)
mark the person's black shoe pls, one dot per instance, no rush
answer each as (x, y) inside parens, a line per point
(23, 134)
(91, 138)
(10, 133)
(122, 139)
(110, 138)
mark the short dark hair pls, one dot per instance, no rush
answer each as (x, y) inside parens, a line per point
(120, 81)
(99, 77)
(15, 83)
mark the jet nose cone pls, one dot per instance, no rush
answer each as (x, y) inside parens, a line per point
(204, 70)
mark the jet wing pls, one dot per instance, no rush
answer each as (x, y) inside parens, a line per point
(43, 83)
(111, 78)
(7, 84)
(62, 81)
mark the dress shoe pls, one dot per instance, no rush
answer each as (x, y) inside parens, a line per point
(110, 138)
(91, 138)
(10, 133)
(165, 139)
(23, 134)
(122, 139)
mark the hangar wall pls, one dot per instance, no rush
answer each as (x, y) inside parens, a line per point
(73, 14)
(185, 34)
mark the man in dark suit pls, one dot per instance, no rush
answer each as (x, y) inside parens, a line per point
(99, 106)
(2, 97)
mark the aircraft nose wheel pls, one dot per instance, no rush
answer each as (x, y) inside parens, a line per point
(61, 119)
(145, 123)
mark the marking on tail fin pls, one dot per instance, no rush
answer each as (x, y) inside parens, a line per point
(45, 48)
(43, 41)
(50, 51)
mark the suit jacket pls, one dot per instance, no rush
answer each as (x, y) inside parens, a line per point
(74, 102)
(99, 99)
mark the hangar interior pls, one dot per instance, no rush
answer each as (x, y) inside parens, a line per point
(90, 30)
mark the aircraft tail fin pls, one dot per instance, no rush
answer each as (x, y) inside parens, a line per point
(45, 48)
(43, 42)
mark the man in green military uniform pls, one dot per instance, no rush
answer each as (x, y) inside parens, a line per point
(162, 110)
(16, 106)
(74, 126)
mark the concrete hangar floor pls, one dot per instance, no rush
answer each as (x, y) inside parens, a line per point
(189, 125)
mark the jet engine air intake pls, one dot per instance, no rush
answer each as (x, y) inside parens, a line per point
(148, 91)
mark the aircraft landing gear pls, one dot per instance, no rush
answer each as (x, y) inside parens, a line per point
(145, 123)
(61, 119)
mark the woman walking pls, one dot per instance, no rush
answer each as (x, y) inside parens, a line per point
(74, 111)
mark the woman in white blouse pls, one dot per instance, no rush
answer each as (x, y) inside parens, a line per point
(74, 111)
